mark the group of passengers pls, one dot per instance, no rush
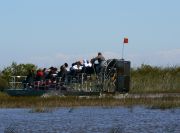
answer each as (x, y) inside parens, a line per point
(52, 74)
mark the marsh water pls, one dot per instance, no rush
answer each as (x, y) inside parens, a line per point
(91, 120)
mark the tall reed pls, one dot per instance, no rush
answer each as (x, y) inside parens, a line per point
(148, 79)
(41, 104)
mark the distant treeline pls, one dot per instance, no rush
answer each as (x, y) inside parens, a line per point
(144, 79)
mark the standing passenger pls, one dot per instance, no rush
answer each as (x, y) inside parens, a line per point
(101, 61)
(63, 72)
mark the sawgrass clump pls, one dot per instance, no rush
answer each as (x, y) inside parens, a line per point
(148, 79)
(40, 104)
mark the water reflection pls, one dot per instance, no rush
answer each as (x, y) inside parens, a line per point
(91, 120)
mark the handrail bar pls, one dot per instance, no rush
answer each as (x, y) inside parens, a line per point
(14, 80)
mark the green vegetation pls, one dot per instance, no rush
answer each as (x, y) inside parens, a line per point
(3, 84)
(148, 79)
(144, 79)
(14, 69)
(17, 70)
(40, 104)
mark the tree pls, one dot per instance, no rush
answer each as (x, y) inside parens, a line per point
(3, 84)
(17, 70)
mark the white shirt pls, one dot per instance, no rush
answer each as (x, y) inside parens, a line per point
(87, 63)
(75, 67)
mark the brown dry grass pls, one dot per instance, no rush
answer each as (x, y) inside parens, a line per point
(52, 102)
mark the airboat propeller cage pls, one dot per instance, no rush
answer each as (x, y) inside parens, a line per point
(123, 75)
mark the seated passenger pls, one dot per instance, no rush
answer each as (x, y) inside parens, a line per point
(45, 72)
(39, 75)
(77, 66)
(86, 63)
(49, 74)
(28, 83)
(87, 67)
(53, 74)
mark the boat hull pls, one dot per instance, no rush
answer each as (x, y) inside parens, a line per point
(23, 92)
(33, 92)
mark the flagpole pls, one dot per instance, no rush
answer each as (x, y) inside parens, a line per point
(125, 41)
(123, 51)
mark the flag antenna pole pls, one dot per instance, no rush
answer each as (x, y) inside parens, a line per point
(123, 51)
(125, 41)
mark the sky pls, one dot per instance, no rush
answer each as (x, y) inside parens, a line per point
(51, 32)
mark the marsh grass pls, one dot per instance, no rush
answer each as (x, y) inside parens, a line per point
(39, 104)
(2, 95)
(148, 79)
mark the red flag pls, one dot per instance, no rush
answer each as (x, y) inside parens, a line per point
(125, 40)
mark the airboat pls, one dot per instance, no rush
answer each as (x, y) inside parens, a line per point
(113, 78)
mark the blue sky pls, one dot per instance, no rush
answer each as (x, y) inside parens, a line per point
(49, 33)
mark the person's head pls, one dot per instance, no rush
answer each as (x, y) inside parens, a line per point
(78, 63)
(51, 68)
(66, 64)
(55, 69)
(99, 53)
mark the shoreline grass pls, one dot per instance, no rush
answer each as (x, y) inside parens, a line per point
(148, 79)
(40, 104)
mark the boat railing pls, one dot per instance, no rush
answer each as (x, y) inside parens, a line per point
(17, 82)
(80, 82)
